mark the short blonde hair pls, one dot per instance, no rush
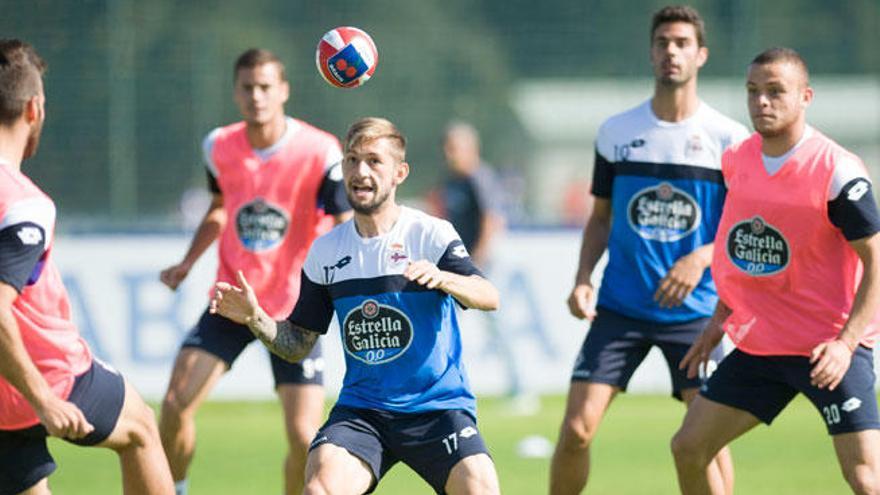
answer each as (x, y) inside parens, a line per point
(370, 129)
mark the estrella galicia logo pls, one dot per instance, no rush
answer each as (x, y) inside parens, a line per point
(375, 333)
(663, 213)
(757, 247)
(260, 225)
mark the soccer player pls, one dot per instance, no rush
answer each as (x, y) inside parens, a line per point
(50, 384)
(798, 274)
(392, 276)
(658, 197)
(275, 180)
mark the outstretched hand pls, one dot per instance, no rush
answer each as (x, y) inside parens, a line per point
(237, 303)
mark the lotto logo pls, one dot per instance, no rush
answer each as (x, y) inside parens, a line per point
(30, 236)
(467, 432)
(851, 404)
(460, 251)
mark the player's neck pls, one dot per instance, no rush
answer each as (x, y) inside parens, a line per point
(11, 148)
(265, 135)
(674, 104)
(779, 144)
(379, 222)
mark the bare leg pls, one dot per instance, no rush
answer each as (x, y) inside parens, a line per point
(41, 488)
(708, 426)
(859, 457)
(136, 440)
(473, 475)
(721, 468)
(303, 411)
(332, 470)
(195, 374)
(587, 403)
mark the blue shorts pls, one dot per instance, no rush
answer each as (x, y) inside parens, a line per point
(24, 457)
(764, 385)
(430, 443)
(616, 345)
(226, 339)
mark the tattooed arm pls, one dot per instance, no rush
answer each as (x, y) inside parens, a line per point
(290, 342)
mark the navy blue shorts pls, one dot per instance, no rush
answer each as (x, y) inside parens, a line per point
(226, 339)
(616, 345)
(24, 457)
(764, 385)
(430, 443)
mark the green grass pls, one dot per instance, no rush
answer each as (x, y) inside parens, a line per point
(241, 446)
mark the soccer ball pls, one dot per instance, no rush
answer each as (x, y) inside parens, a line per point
(346, 57)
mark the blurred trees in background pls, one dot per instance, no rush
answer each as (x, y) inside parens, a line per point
(134, 86)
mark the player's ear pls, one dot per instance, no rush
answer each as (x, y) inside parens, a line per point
(33, 110)
(285, 91)
(702, 56)
(807, 97)
(401, 172)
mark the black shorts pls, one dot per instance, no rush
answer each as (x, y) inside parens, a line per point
(616, 345)
(764, 385)
(430, 443)
(24, 457)
(226, 339)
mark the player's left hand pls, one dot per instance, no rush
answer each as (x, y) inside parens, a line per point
(679, 281)
(700, 352)
(238, 304)
(425, 273)
(830, 362)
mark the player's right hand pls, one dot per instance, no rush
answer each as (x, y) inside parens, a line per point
(579, 302)
(174, 275)
(238, 304)
(63, 419)
(700, 351)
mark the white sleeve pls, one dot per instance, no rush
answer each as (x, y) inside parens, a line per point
(845, 170)
(208, 149)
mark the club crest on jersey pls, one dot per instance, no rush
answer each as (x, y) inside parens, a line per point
(663, 213)
(398, 254)
(375, 333)
(260, 225)
(757, 248)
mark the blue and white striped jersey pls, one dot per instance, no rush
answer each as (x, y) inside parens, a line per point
(666, 190)
(401, 341)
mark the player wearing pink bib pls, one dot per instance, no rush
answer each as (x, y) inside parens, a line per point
(49, 382)
(276, 183)
(799, 281)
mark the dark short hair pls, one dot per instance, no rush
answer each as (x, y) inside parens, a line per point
(680, 13)
(781, 54)
(255, 57)
(21, 78)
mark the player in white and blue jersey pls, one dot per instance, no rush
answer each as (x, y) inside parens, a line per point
(392, 276)
(658, 194)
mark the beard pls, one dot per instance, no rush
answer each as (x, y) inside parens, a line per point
(368, 207)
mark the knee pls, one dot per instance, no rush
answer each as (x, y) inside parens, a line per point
(863, 479)
(314, 486)
(687, 448)
(577, 433)
(174, 408)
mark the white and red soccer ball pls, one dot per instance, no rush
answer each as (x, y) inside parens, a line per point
(346, 57)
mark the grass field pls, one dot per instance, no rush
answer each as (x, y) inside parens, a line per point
(241, 446)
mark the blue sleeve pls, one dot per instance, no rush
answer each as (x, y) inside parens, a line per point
(457, 260)
(603, 177)
(314, 308)
(21, 248)
(854, 211)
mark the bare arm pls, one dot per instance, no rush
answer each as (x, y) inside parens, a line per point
(239, 304)
(472, 291)
(593, 244)
(832, 359)
(61, 418)
(208, 231)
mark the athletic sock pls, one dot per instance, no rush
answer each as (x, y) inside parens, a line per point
(180, 487)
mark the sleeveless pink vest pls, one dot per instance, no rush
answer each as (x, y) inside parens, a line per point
(785, 270)
(272, 211)
(42, 312)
